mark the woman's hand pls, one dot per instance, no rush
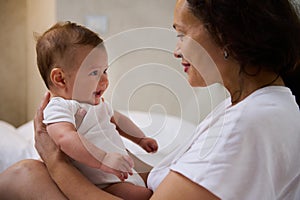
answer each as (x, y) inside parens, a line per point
(43, 143)
(69, 180)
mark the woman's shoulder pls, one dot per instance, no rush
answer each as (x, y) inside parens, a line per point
(270, 109)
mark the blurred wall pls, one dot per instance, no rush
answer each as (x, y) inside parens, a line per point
(139, 38)
(20, 83)
(40, 16)
(121, 18)
(143, 73)
(13, 58)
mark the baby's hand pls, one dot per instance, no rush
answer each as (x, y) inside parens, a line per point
(149, 144)
(117, 164)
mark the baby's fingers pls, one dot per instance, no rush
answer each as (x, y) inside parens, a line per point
(122, 176)
(148, 148)
(129, 161)
(118, 173)
(127, 165)
(153, 147)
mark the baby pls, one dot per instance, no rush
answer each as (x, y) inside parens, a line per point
(73, 63)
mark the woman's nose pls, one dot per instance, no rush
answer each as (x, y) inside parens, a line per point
(177, 52)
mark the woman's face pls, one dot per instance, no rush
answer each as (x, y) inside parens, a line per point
(195, 47)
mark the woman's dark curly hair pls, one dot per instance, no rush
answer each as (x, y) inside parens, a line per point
(263, 33)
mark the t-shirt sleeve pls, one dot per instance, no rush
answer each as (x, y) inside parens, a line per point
(60, 110)
(212, 163)
(226, 160)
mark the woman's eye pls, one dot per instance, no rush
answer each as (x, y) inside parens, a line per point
(180, 36)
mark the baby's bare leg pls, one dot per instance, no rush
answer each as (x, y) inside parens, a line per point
(28, 179)
(140, 167)
(129, 191)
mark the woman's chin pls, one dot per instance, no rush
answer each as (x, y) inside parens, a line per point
(196, 83)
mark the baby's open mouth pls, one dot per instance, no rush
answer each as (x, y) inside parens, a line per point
(97, 93)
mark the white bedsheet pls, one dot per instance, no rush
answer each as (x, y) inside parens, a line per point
(169, 131)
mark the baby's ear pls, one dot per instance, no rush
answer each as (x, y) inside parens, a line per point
(57, 77)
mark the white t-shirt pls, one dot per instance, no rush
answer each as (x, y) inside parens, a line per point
(246, 151)
(97, 128)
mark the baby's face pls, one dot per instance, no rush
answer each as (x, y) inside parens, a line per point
(91, 79)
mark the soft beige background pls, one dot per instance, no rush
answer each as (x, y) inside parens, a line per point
(146, 79)
(20, 84)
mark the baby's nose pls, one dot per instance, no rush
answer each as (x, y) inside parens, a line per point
(103, 82)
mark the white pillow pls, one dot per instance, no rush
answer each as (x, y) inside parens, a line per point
(27, 131)
(169, 131)
(13, 146)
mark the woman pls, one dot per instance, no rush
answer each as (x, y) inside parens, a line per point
(247, 148)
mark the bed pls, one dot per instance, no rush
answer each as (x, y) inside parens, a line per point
(169, 131)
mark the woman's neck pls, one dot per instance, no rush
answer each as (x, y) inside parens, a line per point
(247, 84)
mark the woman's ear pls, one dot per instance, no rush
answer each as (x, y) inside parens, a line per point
(57, 77)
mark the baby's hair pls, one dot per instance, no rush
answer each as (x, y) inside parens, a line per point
(55, 46)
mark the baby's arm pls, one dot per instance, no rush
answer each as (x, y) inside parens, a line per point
(66, 137)
(77, 147)
(128, 129)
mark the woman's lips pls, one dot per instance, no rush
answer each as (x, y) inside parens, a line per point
(186, 66)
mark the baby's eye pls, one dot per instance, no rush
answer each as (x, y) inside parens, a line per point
(94, 73)
(105, 71)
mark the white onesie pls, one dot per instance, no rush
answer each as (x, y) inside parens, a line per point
(97, 129)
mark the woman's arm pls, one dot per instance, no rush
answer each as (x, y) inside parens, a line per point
(75, 186)
(176, 186)
(70, 181)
